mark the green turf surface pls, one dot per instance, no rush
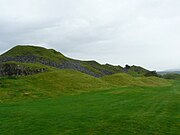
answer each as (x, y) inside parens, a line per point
(117, 111)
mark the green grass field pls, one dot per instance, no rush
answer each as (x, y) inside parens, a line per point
(131, 110)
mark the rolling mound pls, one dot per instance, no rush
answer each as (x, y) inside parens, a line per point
(48, 84)
(123, 79)
(57, 82)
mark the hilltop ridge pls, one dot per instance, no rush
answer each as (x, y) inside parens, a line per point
(53, 58)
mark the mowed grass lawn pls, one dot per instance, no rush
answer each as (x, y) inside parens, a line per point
(117, 111)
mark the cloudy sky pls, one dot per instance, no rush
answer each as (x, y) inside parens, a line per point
(140, 32)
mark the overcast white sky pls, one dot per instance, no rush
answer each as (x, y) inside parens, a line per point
(140, 32)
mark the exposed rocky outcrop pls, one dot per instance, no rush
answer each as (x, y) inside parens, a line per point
(75, 65)
(12, 69)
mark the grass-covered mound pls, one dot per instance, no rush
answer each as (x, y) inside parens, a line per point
(57, 82)
(154, 81)
(172, 76)
(123, 79)
(48, 84)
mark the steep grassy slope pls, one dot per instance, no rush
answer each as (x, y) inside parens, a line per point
(120, 111)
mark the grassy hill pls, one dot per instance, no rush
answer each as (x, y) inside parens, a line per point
(53, 58)
(43, 92)
(50, 54)
(48, 84)
(36, 72)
